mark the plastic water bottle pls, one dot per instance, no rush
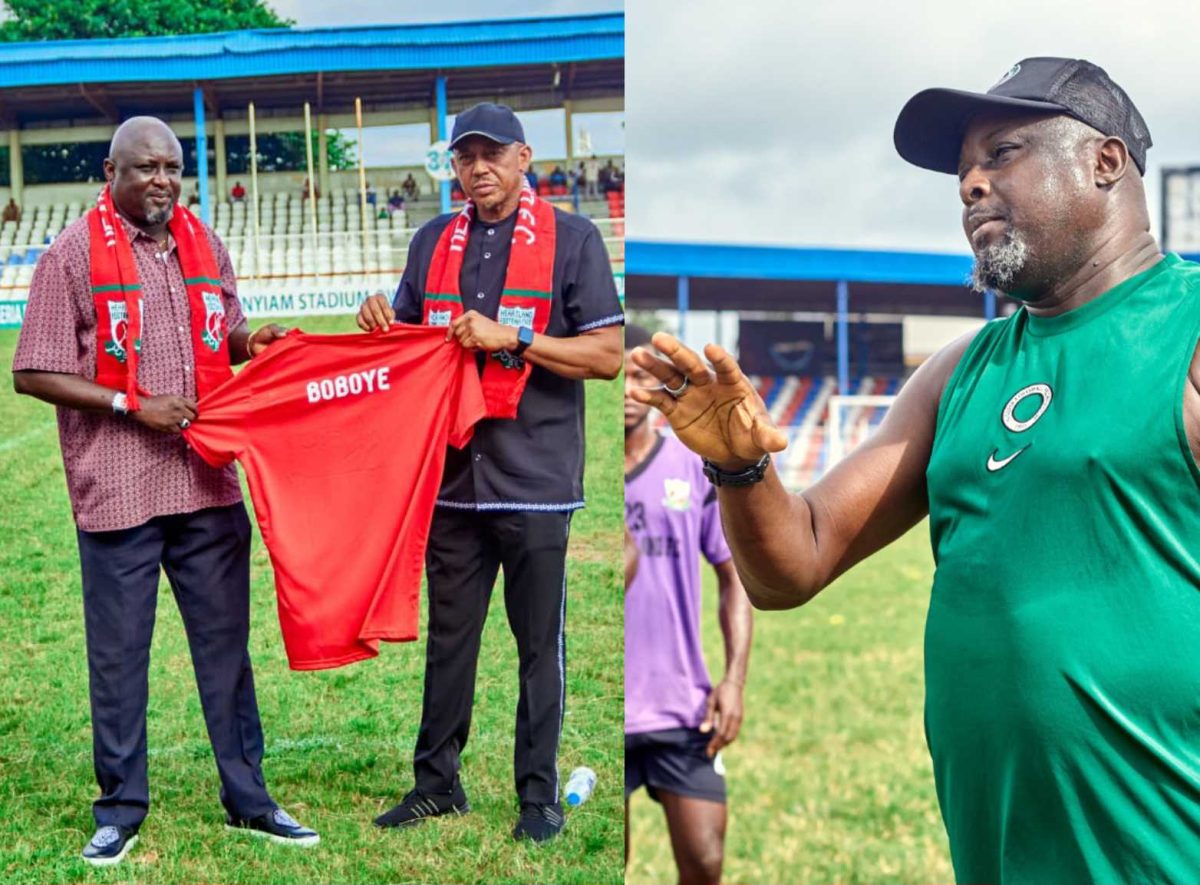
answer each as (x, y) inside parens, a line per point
(579, 786)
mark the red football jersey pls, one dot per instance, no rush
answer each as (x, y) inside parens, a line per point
(343, 439)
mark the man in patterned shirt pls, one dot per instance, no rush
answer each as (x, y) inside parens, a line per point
(142, 500)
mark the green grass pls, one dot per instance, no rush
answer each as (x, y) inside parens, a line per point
(339, 742)
(830, 781)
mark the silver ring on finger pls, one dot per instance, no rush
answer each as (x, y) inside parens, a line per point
(184, 424)
(677, 391)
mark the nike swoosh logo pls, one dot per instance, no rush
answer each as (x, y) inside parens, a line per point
(993, 465)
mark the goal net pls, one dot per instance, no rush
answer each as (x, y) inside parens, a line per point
(852, 419)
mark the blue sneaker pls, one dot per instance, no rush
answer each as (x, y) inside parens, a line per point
(276, 825)
(109, 846)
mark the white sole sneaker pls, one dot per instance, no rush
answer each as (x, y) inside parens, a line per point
(115, 859)
(302, 842)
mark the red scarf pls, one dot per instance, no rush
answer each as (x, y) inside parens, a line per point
(524, 301)
(117, 294)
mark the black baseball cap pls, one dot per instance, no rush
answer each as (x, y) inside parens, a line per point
(930, 128)
(494, 121)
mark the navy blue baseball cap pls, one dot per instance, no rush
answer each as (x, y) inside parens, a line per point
(930, 128)
(494, 121)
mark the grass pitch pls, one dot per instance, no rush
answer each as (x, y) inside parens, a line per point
(338, 742)
(830, 781)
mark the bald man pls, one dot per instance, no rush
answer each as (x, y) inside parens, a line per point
(133, 314)
(1055, 453)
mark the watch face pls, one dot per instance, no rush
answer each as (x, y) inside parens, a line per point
(525, 335)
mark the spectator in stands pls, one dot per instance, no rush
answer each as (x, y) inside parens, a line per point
(558, 178)
(371, 195)
(611, 177)
(304, 191)
(532, 178)
(590, 178)
(411, 190)
(12, 212)
(238, 194)
(384, 212)
(395, 202)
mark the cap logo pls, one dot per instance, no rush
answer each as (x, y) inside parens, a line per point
(1009, 74)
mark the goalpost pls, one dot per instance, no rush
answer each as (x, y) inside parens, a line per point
(850, 422)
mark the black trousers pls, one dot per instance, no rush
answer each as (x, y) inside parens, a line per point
(466, 550)
(206, 556)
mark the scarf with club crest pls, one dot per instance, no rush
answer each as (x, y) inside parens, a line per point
(525, 300)
(117, 295)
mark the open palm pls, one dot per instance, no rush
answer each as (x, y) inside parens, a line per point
(719, 415)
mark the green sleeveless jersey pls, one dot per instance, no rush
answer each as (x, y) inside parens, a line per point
(1062, 648)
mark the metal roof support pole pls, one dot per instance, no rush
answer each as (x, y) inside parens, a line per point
(312, 181)
(569, 121)
(201, 155)
(323, 154)
(254, 191)
(843, 337)
(440, 97)
(681, 302)
(989, 305)
(16, 169)
(362, 185)
(222, 167)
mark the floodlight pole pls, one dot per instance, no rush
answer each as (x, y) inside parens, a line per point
(201, 155)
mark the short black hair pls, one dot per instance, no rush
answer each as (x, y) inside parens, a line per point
(636, 336)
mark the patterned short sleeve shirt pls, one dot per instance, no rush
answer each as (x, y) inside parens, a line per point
(119, 473)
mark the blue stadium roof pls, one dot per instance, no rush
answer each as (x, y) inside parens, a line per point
(724, 261)
(722, 276)
(527, 41)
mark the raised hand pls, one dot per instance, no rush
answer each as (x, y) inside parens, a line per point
(718, 414)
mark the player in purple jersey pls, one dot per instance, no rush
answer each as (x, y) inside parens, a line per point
(675, 721)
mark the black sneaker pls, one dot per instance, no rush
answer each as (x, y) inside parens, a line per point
(418, 806)
(109, 846)
(539, 822)
(278, 826)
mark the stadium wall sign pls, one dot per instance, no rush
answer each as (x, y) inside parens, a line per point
(12, 313)
(275, 302)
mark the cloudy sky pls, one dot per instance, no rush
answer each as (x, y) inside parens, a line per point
(769, 121)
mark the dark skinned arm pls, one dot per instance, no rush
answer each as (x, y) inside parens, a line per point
(244, 344)
(725, 711)
(789, 547)
(161, 413)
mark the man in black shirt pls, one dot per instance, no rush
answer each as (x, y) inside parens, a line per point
(506, 500)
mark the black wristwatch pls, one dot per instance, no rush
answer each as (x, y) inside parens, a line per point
(748, 477)
(524, 339)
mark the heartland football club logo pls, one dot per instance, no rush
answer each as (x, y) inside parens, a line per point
(677, 495)
(516, 316)
(439, 317)
(118, 329)
(1009, 419)
(214, 321)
